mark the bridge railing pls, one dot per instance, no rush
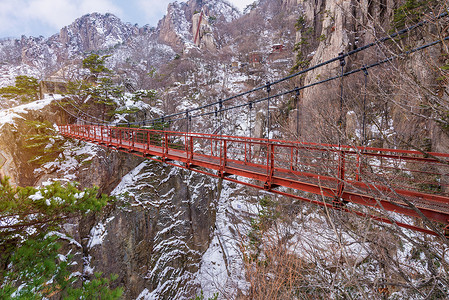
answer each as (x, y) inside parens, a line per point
(340, 167)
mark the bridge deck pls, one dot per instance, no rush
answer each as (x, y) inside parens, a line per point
(267, 170)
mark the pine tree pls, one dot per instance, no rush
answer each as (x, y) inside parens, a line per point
(26, 89)
(30, 266)
(96, 64)
(45, 142)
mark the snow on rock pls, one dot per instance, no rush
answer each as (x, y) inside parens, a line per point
(98, 233)
(130, 180)
(65, 167)
(222, 267)
(64, 237)
(176, 207)
(145, 295)
(8, 115)
(8, 73)
(223, 9)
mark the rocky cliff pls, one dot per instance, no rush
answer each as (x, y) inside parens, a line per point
(328, 28)
(173, 233)
(89, 33)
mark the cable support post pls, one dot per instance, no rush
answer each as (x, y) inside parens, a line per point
(297, 109)
(250, 105)
(220, 103)
(365, 72)
(268, 85)
(341, 57)
(268, 109)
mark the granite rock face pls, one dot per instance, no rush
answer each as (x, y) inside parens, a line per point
(15, 156)
(155, 236)
(327, 28)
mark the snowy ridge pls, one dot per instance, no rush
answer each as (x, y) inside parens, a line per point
(222, 9)
(105, 32)
(8, 72)
(8, 115)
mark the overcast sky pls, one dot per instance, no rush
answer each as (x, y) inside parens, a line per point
(46, 17)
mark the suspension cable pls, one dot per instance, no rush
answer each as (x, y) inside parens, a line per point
(366, 67)
(343, 55)
(83, 112)
(75, 116)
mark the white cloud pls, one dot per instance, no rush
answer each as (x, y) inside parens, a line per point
(101, 6)
(155, 9)
(8, 12)
(55, 13)
(49, 14)
(59, 13)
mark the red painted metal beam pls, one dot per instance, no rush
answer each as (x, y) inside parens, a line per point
(284, 163)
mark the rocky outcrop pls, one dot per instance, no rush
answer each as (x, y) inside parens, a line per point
(202, 32)
(178, 27)
(15, 130)
(327, 28)
(155, 237)
(96, 31)
(174, 28)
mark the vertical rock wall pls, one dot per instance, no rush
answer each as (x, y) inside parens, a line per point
(155, 237)
(332, 27)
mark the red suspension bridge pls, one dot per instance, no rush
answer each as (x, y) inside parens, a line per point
(409, 183)
(370, 182)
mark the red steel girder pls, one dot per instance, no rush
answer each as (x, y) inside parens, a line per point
(139, 142)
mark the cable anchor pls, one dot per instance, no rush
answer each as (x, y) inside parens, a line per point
(268, 87)
(342, 59)
(365, 70)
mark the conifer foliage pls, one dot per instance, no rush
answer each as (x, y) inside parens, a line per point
(26, 89)
(31, 266)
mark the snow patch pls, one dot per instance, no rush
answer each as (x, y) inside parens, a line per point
(7, 116)
(98, 233)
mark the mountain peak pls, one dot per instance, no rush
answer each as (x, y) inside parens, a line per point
(96, 31)
(176, 28)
